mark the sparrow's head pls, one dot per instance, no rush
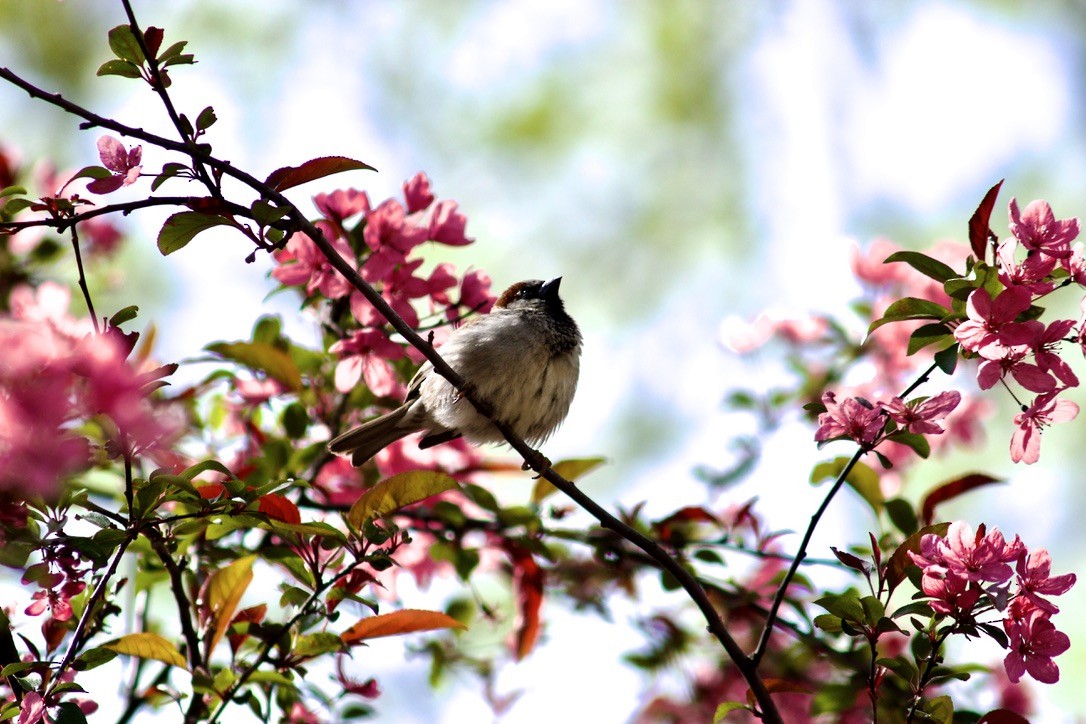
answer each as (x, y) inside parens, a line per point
(533, 295)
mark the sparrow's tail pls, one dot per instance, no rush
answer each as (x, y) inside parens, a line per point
(369, 438)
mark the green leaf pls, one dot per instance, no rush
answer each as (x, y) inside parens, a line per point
(225, 589)
(862, 478)
(13, 191)
(315, 644)
(17, 668)
(947, 359)
(14, 206)
(396, 492)
(940, 709)
(93, 658)
(206, 119)
(910, 308)
(828, 622)
(918, 443)
(68, 712)
(264, 357)
(295, 420)
(170, 55)
(290, 176)
(902, 515)
(846, 606)
(927, 335)
(147, 646)
(924, 264)
(123, 68)
(182, 227)
(125, 315)
(726, 708)
(123, 43)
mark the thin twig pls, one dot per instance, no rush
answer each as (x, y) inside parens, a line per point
(782, 590)
(126, 208)
(159, 85)
(83, 280)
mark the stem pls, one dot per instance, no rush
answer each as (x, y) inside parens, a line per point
(126, 208)
(88, 612)
(159, 87)
(778, 599)
(83, 280)
(177, 585)
(928, 669)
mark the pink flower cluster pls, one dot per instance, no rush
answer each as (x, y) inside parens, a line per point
(53, 373)
(856, 419)
(1009, 343)
(967, 573)
(382, 253)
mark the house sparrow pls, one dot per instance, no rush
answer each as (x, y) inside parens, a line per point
(523, 358)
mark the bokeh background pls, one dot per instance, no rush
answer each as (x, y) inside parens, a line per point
(677, 162)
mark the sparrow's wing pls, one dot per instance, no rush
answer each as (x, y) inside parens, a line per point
(414, 387)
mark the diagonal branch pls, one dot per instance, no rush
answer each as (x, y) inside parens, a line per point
(747, 666)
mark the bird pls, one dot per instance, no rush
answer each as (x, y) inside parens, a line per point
(523, 358)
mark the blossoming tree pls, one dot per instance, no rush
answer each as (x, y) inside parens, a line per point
(203, 487)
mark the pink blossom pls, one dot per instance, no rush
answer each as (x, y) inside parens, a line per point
(32, 710)
(1030, 376)
(365, 356)
(48, 304)
(125, 165)
(1076, 264)
(447, 224)
(920, 417)
(455, 457)
(399, 286)
(441, 280)
(981, 557)
(1037, 229)
(342, 204)
(953, 595)
(1047, 359)
(1032, 273)
(741, 337)
(991, 330)
(1045, 410)
(1034, 641)
(475, 292)
(417, 193)
(391, 233)
(872, 268)
(1035, 579)
(853, 418)
(301, 263)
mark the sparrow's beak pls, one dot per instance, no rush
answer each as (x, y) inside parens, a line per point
(549, 289)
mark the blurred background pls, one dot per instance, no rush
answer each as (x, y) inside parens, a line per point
(677, 162)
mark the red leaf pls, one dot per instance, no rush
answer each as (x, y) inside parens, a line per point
(276, 506)
(528, 582)
(253, 614)
(211, 491)
(397, 623)
(979, 231)
(153, 38)
(952, 489)
(290, 176)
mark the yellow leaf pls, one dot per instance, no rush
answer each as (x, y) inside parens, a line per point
(224, 591)
(148, 646)
(568, 469)
(394, 493)
(396, 623)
